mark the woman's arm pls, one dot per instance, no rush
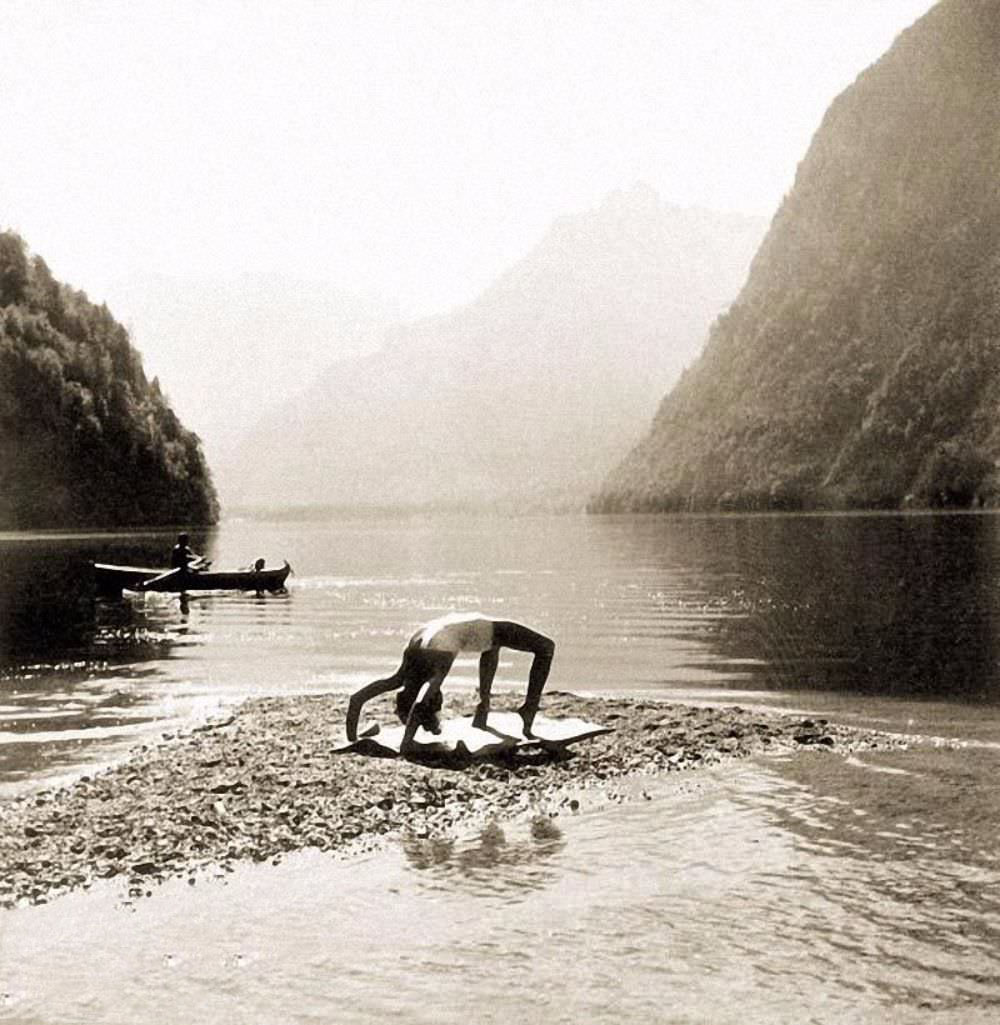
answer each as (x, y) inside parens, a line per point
(360, 697)
(427, 693)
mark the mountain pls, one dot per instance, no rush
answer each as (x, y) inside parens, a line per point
(860, 364)
(85, 438)
(228, 349)
(524, 397)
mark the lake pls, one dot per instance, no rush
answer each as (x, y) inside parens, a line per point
(816, 889)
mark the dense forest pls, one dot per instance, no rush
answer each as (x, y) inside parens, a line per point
(860, 364)
(85, 438)
(523, 398)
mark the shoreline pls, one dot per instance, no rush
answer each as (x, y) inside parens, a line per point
(265, 782)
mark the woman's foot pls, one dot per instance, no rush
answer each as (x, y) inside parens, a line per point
(528, 718)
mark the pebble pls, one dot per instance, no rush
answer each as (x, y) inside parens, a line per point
(266, 783)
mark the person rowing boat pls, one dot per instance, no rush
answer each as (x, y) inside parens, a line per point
(429, 656)
(183, 560)
(182, 557)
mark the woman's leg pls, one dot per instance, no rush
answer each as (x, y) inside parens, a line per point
(523, 638)
(488, 662)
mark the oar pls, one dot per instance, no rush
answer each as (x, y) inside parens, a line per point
(150, 585)
(197, 564)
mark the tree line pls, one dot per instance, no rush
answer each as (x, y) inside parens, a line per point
(85, 438)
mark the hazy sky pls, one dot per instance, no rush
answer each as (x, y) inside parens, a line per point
(410, 148)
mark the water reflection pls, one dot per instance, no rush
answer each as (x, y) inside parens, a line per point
(74, 668)
(880, 605)
(507, 861)
(888, 605)
(756, 894)
(936, 794)
(857, 606)
(897, 853)
(49, 615)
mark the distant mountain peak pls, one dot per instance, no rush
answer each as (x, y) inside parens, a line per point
(859, 365)
(638, 196)
(528, 393)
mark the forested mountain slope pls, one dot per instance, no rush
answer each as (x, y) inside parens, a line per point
(85, 439)
(860, 365)
(528, 395)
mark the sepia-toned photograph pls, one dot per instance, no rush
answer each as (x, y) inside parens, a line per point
(499, 512)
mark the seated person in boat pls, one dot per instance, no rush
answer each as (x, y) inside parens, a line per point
(182, 557)
(429, 656)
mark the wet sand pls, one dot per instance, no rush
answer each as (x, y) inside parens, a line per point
(266, 782)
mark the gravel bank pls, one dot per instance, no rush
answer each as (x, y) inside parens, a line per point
(266, 782)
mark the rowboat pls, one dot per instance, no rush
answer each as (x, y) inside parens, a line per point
(112, 580)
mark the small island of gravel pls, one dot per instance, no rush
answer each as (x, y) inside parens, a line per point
(266, 782)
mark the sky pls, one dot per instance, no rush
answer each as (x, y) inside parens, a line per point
(409, 148)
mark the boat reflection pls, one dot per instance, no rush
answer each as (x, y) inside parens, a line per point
(74, 669)
(48, 611)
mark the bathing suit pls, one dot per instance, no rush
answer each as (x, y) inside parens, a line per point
(456, 632)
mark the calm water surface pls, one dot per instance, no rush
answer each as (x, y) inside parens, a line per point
(779, 892)
(893, 618)
(818, 889)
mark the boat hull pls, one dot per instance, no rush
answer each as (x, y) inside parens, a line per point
(115, 579)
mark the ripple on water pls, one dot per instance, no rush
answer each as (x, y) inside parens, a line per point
(815, 889)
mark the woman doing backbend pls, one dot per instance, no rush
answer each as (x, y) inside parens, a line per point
(429, 656)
